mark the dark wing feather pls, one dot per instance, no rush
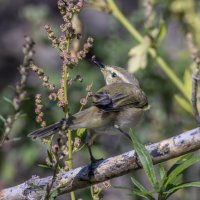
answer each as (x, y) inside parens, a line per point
(119, 95)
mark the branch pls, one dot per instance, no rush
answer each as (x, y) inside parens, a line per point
(103, 170)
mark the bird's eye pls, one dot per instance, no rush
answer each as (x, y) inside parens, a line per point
(114, 74)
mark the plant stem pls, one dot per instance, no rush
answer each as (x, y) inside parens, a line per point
(69, 133)
(163, 65)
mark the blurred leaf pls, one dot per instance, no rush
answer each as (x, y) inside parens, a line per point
(161, 32)
(45, 166)
(2, 118)
(141, 194)
(146, 160)
(80, 132)
(142, 188)
(29, 154)
(187, 80)
(138, 57)
(8, 100)
(183, 103)
(179, 6)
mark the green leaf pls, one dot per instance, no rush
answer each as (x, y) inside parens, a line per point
(182, 186)
(174, 166)
(80, 132)
(34, 186)
(180, 168)
(162, 31)
(141, 188)
(50, 156)
(45, 166)
(2, 118)
(8, 100)
(162, 172)
(183, 103)
(187, 77)
(146, 160)
(141, 194)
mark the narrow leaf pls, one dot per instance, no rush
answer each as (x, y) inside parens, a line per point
(174, 166)
(146, 160)
(162, 31)
(162, 172)
(141, 194)
(187, 77)
(8, 100)
(180, 168)
(50, 156)
(141, 187)
(182, 186)
(45, 166)
(183, 103)
(2, 118)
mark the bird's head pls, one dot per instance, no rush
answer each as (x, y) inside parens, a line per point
(114, 74)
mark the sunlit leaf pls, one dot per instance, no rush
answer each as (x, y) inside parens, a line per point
(138, 57)
(183, 103)
(45, 166)
(162, 31)
(187, 80)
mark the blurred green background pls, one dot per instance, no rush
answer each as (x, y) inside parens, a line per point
(19, 160)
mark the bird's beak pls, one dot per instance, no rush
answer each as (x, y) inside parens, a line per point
(100, 65)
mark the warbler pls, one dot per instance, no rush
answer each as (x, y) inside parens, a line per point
(116, 107)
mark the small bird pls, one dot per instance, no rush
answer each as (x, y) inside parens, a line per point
(117, 107)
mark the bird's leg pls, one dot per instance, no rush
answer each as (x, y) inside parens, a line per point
(123, 132)
(92, 158)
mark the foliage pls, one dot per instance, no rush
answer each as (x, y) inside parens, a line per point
(170, 180)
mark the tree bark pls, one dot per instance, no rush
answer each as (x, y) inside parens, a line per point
(81, 177)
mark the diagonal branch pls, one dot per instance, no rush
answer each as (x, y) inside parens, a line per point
(103, 170)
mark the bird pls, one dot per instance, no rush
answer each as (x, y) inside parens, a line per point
(117, 107)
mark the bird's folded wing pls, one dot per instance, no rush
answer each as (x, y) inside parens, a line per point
(117, 96)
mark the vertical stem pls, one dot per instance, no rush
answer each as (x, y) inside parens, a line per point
(163, 65)
(69, 133)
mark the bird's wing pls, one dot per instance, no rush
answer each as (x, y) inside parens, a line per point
(119, 95)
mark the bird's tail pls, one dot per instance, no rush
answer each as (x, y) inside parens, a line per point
(49, 130)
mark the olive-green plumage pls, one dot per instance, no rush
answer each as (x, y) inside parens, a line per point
(117, 107)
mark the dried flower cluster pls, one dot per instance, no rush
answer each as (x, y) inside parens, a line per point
(97, 190)
(149, 13)
(84, 101)
(20, 91)
(38, 110)
(45, 79)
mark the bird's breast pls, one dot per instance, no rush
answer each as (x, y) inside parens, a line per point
(128, 118)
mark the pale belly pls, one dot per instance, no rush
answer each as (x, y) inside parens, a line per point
(124, 120)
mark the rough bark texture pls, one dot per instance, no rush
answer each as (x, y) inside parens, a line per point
(103, 170)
